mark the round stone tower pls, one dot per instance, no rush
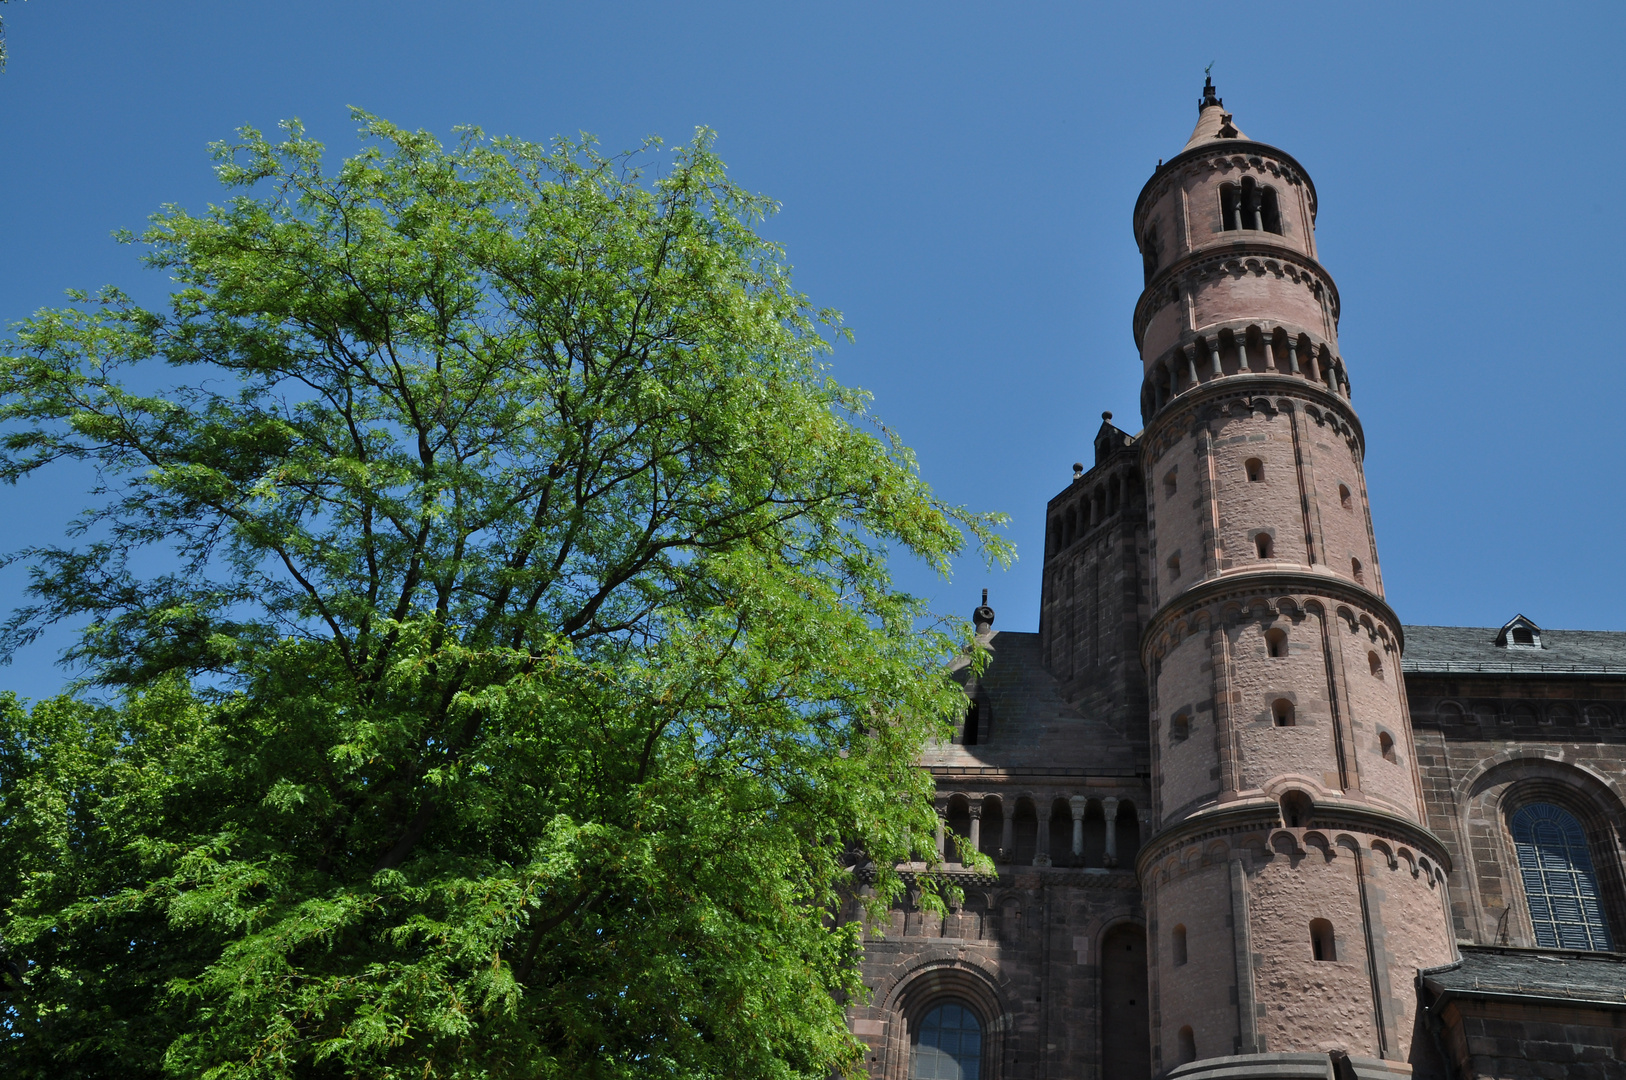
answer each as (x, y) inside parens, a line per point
(1292, 888)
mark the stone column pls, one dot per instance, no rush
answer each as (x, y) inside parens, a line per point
(1242, 351)
(1109, 810)
(1007, 832)
(1078, 804)
(941, 826)
(1041, 845)
(1270, 353)
(975, 809)
(1191, 364)
(1213, 354)
(1293, 355)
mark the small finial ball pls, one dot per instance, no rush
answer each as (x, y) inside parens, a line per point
(1106, 416)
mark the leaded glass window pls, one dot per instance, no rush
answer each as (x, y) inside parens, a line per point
(949, 1045)
(1559, 884)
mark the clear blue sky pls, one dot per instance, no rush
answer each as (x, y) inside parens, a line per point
(958, 179)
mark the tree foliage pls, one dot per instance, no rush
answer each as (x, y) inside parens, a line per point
(521, 672)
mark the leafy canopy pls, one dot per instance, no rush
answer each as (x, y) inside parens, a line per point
(522, 673)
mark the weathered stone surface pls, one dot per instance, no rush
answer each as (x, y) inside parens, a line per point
(1236, 807)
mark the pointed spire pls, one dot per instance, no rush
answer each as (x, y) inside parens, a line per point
(1213, 122)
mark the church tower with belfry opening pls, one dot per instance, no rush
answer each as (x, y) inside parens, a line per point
(1239, 822)
(1278, 711)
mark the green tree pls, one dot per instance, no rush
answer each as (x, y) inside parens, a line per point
(526, 671)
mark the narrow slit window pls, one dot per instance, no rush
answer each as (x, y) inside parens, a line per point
(1263, 543)
(1355, 569)
(1323, 946)
(1188, 1045)
(1171, 483)
(1276, 642)
(1386, 744)
(1344, 498)
(1281, 710)
(1255, 469)
(1174, 567)
(1179, 728)
(1177, 945)
(1375, 662)
(973, 724)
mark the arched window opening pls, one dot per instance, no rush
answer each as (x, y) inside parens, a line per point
(1355, 569)
(1345, 500)
(1174, 567)
(1188, 1045)
(1276, 642)
(947, 1045)
(1255, 470)
(1177, 945)
(1322, 944)
(1127, 827)
(1375, 662)
(1560, 887)
(1264, 545)
(1296, 808)
(1386, 744)
(1171, 482)
(1126, 1044)
(1179, 728)
(1282, 711)
(1148, 252)
(1250, 205)
(973, 724)
(993, 829)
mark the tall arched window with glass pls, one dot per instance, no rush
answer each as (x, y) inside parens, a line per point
(948, 1045)
(1559, 883)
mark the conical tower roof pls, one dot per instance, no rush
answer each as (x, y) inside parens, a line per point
(1213, 122)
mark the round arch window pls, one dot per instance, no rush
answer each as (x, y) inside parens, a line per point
(947, 1045)
(1559, 885)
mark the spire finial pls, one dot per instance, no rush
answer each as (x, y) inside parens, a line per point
(983, 617)
(1209, 97)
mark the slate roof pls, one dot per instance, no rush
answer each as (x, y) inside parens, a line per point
(1034, 729)
(1487, 970)
(1462, 649)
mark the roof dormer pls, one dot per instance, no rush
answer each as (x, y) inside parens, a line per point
(1519, 633)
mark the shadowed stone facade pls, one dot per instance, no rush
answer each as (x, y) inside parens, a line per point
(1244, 822)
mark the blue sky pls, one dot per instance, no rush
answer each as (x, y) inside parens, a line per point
(958, 180)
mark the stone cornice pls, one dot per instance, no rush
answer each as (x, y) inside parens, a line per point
(1245, 585)
(1238, 258)
(1259, 816)
(1208, 400)
(1222, 154)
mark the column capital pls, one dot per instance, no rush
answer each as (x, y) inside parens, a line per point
(1079, 804)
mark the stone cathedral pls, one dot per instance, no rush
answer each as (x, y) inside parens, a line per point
(1244, 821)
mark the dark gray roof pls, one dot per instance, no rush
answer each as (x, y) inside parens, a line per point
(1554, 973)
(1448, 649)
